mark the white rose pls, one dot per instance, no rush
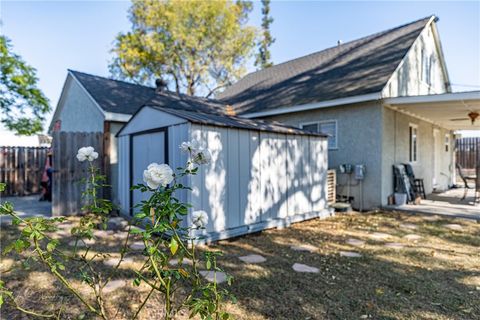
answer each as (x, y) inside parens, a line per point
(199, 219)
(87, 153)
(158, 174)
(189, 146)
(201, 156)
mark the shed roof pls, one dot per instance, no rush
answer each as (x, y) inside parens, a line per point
(234, 122)
(358, 67)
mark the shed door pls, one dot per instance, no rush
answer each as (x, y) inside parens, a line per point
(146, 148)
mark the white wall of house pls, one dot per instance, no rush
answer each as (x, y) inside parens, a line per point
(435, 161)
(359, 132)
(421, 71)
(76, 110)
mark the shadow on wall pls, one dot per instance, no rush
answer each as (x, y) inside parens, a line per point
(257, 177)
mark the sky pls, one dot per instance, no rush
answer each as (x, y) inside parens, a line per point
(55, 36)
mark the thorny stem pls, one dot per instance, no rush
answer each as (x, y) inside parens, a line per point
(63, 280)
(143, 303)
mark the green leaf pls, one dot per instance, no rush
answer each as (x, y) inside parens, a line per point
(1, 296)
(173, 246)
(52, 245)
(209, 265)
(3, 186)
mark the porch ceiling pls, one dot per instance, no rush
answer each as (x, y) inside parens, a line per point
(449, 110)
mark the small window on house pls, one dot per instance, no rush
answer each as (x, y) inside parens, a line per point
(328, 127)
(447, 142)
(413, 156)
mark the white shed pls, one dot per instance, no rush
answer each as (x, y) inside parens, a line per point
(262, 174)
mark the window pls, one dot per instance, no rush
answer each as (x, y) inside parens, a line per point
(413, 157)
(328, 127)
(447, 142)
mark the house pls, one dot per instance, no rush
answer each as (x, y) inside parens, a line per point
(90, 103)
(262, 174)
(382, 99)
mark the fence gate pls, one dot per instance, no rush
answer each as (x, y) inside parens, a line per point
(21, 169)
(468, 152)
(69, 172)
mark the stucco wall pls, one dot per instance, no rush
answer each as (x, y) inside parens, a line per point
(359, 129)
(78, 112)
(395, 149)
(407, 80)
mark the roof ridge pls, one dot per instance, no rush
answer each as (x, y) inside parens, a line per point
(376, 34)
(110, 79)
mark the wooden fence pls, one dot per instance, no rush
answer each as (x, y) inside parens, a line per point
(69, 172)
(21, 169)
(468, 152)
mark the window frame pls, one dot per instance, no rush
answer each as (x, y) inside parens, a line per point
(318, 123)
(413, 154)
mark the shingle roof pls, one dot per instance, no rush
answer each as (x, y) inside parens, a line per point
(354, 68)
(220, 120)
(113, 95)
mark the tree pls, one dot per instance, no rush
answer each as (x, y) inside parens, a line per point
(23, 105)
(263, 57)
(197, 47)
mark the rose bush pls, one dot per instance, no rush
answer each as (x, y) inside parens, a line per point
(165, 236)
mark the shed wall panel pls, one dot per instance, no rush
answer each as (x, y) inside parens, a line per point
(123, 188)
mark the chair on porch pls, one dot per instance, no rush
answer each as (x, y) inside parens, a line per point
(465, 179)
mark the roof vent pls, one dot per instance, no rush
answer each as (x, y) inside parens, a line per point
(339, 42)
(160, 84)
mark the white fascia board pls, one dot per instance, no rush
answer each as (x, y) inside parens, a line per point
(444, 97)
(315, 105)
(117, 117)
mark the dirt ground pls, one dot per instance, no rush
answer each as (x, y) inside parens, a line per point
(411, 267)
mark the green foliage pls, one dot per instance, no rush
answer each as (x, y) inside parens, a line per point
(23, 106)
(197, 47)
(165, 238)
(263, 58)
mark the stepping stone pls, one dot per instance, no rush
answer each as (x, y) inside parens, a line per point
(112, 262)
(304, 247)
(114, 285)
(453, 226)
(185, 261)
(117, 223)
(120, 235)
(82, 243)
(379, 236)
(409, 226)
(431, 218)
(210, 276)
(102, 233)
(253, 258)
(350, 254)
(304, 268)
(412, 237)
(394, 245)
(355, 242)
(137, 245)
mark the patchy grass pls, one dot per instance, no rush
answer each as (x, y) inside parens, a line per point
(435, 277)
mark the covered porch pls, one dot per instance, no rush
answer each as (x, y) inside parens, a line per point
(454, 112)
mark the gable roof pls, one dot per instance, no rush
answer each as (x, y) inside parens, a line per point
(113, 95)
(359, 67)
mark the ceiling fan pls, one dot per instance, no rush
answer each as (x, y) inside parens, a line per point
(472, 116)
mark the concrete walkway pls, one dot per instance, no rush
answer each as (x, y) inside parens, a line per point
(27, 206)
(447, 203)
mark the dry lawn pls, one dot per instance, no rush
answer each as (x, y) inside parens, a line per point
(435, 277)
